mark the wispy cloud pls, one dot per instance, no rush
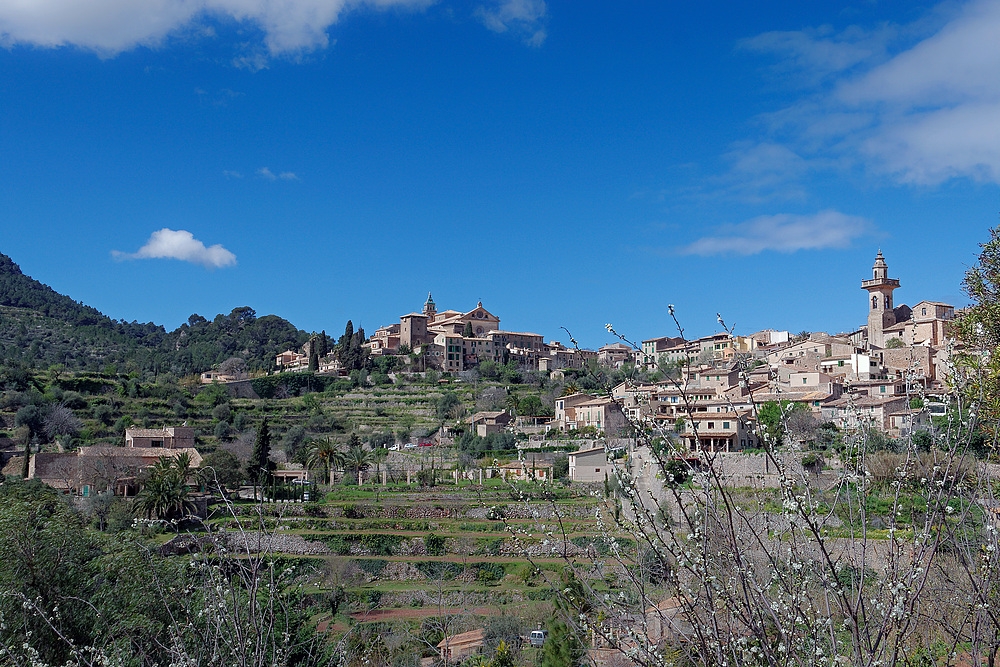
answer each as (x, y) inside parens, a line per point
(180, 244)
(762, 172)
(782, 233)
(220, 98)
(269, 175)
(525, 18)
(921, 113)
(228, 173)
(112, 26)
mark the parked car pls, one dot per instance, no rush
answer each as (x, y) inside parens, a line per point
(394, 448)
(537, 637)
(409, 445)
(426, 443)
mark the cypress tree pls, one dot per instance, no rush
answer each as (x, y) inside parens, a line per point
(25, 465)
(259, 466)
(324, 344)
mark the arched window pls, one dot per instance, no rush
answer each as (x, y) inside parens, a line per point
(888, 302)
(874, 302)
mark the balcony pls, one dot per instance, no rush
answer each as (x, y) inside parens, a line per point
(879, 282)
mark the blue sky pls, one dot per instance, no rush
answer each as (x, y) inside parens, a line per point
(567, 163)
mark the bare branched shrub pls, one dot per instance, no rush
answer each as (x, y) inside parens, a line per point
(892, 560)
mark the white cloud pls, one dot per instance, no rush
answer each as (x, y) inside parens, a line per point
(764, 171)
(180, 244)
(819, 52)
(923, 113)
(269, 175)
(782, 233)
(228, 173)
(523, 17)
(112, 26)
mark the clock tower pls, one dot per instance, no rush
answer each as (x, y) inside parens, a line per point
(880, 313)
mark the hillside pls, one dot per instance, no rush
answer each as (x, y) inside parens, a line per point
(40, 327)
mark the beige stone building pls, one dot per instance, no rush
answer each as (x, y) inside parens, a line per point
(718, 431)
(615, 355)
(172, 437)
(653, 348)
(852, 412)
(589, 465)
(565, 410)
(490, 422)
(456, 648)
(881, 314)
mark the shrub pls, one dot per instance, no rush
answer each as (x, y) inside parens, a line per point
(435, 544)
(372, 566)
(489, 573)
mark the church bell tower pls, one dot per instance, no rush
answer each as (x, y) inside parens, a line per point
(880, 313)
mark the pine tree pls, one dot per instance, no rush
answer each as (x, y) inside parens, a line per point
(561, 648)
(259, 466)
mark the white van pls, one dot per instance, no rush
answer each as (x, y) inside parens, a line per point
(537, 637)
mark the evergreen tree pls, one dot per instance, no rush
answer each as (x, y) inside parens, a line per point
(344, 344)
(324, 344)
(468, 333)
(25, 465)
(313, 361)
(259, 466)
(562, 648)
(978, 327)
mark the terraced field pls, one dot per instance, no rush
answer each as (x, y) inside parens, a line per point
(443, 554)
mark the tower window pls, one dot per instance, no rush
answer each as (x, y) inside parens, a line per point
(874, 303)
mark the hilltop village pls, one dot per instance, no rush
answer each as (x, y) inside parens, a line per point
(447, 492)
(704, 395)
(889, 373)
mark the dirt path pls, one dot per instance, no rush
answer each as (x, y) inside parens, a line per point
(419, 612)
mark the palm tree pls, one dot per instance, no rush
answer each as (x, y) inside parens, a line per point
(165, 493)
(379, 455)
(357, 459)
(327, 454)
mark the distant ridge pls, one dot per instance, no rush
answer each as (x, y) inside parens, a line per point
(20, 291)
(41, 327)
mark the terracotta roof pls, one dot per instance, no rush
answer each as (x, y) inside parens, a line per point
(864, 401)
(668, 604)
(470, 637)
(141, 452)
(705, 416)
(588, 451)
(515, 333)
(13, 466)
(793, 396)
(595, 402)
(147, 432)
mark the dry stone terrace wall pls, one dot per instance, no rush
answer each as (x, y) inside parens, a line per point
(257, 542)
(508, 509)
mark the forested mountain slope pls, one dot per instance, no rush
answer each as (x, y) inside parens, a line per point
(40, 327)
